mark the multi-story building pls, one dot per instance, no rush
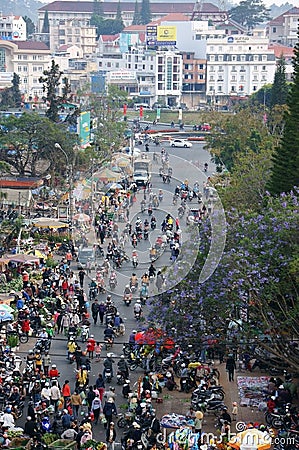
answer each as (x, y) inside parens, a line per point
(73, 32)
(283, 29)
(238, 66)
(12, 28)
(168, 76)
(194, 79)
(83, 10)
(28, 59)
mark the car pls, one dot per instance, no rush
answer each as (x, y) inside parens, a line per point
(180, 143)
(206, 127)
(86, 254)
(141, 178)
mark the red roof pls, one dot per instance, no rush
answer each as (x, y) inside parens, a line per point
(172, 17)
(287, 52)
(31, 45)
(21, 184)
(138, 28)
(109, 37)
(110, 7)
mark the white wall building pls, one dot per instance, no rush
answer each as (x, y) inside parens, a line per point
(238, 66)
(12, 28)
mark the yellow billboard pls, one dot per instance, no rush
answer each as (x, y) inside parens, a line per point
(166, 33)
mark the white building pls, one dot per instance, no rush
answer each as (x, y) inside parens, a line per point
(283, 29)
(28, 59)
(238, 66)
(12, 28)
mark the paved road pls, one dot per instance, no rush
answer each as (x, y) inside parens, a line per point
(182, 169)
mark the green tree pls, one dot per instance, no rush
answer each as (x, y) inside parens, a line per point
(136, 17)
(30, 27)
(27, 145)
(279, 91)
(98, 8)
(108, 26)
(285, 171)
(145, 12)
(15, 90)
(11, 96)
(46, 23)
(249, 13)
(51, 84)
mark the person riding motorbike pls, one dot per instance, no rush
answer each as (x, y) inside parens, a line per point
(109, 334)
(123, 367)
(108, 364)
(133, 280)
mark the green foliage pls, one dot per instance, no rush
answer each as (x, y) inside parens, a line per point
(279, 91)
(249, 13)
(11, 96)
(241, 132)
(46, 23)
(285, 171)
(262, 96)
(48, 438)
(13, 285)
(28, 144)
(97, 8)
(12, 340)
(106, 26)
(30, 27)
(51, 83)
(145, 12)
(136, 17)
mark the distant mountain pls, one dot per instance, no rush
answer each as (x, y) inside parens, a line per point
(275, 10)
(20, 8)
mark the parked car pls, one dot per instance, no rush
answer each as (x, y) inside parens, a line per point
(141, 178)
(205, 127)
(180, 143)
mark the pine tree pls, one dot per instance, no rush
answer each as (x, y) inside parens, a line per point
(285, 170)
(15, 90)
(145, 13)
(51, 82)
(46, 24)
(136, 17)
(98, 8)
(279, 91)
(118, 11)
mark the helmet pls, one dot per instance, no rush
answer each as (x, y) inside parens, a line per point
(117, 314)
(83, 367)
(127, 381)
(28, 418)
(8, 410)
(138, 301)
(30, 352)
(127, 285)
(94, 279)
(122, 357)
(108, 297)
(134, 331)
(92, 336)
(168, 375)
(54, 366)
(183, 365)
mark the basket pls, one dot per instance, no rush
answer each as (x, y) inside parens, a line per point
(18, 443)
(63, 444)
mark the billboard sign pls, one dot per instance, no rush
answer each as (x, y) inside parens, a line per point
(161, 35)
(84, 128)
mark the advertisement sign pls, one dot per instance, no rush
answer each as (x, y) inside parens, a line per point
(166, 34)
(84, 128)
(161, 35)
(141, 112)
(119, 75)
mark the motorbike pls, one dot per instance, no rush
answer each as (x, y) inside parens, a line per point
(137, 314)
(127, 299)
(84, 333)
(181, 211)
(215, 391)
(144, 293)
(153, 224)
(120, 377)
(92, 292)
(112, 281)
(135, 261)
(134, 287)
(108, 343)
(108, 375)
(145, 235)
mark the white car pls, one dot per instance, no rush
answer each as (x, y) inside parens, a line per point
(180, 143)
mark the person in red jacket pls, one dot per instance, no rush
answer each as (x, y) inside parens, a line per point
(91, 344)
(66, 392)
(53, 372)
(25, 327)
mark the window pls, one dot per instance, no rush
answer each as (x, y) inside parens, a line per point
(19, 69)
(129, 66)
(40, 57)
(242, 58)
(242, 78)
(188, 56)
(19, 57)
(25, 69)
(255, 58)
(136, 66)
(234, 69)
(117, 65)
(211, 78)
(254, 67)
(255, 77)
(220, 68)
(160, 60)
(212, 58)
(233, 89)
(25, 80)
(264, 58)
(200, 66)
(61, 33)
(220, 48)
(254, 88)
(234, 58)
(220, 58)
(263, 67)
(40, 68)
(34, 57)
(274, 30)
(219, 88)
(169, 73)
(160, 68)
(35, 80)
(151, 67)
(34, 68)
(160, 86)
(233, 77)
(108, 64)
(211, 48)
(77, 30)
(201, 77)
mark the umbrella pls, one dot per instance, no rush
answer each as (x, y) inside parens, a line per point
(121, 161)
(82, 217)
(114, 186)
(107, 175)
(44, 222)
(37, 253)
(21, 258)
(4, 315)
(7, 308)
(251, 438)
